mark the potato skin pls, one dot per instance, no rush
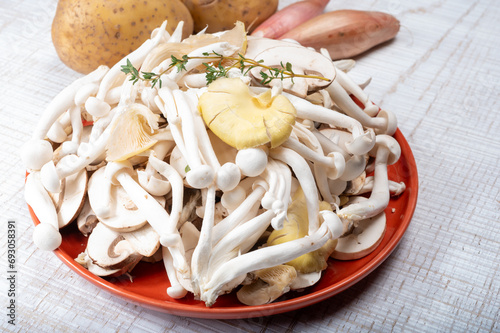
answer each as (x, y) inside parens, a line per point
(221, 15)
(89, 33)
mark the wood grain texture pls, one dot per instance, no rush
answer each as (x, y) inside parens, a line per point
(441, 76)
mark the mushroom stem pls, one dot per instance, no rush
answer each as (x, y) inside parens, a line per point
(352, 88)
(333, 162)
(167, 171)
(243, 212)
(201, 254)
(154, 213)
(57, 132)
(166, 103)
(199, 175)
(231, 244)
(176, 290)
(279, 179)
(395, 188)
(176, 36)
(306, 180)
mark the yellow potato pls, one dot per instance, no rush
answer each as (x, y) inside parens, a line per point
(90, 33)
(221, 15)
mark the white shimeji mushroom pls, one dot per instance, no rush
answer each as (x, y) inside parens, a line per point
(305, 61)
(35, 153)
(364, 238)
(279, 179)
(395, 188)
(46, 235)
(334, 139)
(179, 116)
(387, 151)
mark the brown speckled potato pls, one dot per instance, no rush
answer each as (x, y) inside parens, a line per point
(89, 33)
(221, 15)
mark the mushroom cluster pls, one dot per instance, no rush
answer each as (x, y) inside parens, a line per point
(240, 184)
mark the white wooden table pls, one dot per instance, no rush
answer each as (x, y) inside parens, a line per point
(441, 76)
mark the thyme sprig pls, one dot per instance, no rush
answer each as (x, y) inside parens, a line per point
(214, 69)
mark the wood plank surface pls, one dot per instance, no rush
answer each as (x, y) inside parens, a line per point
(441, 76)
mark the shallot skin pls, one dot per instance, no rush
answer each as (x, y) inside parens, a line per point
(289, 17)
(345, 33)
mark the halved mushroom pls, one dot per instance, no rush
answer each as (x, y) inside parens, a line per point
(303, 61)
(269, 284)
(108, 249)
(123, 213)
(70, 200)
(364, 238)
(244, 120)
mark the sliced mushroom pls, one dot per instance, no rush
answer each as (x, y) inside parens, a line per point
(123, 213)
(108, 249)
(270, 283)
(70, 200)
(145, 240)
(364, 238)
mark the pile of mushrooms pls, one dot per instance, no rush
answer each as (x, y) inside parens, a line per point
(234, 186)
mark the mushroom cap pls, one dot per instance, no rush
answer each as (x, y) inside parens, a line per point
(46, 237)
(35, 153)
(388, 142)
(228, 177)
(132, 133)
(391, 125)
(302, 61)
(251, 161)
(244, 120)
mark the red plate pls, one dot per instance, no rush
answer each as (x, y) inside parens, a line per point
(150, 281)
